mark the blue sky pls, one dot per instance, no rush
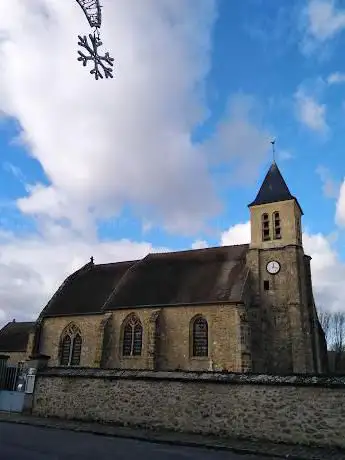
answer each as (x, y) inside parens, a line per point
(169, 153)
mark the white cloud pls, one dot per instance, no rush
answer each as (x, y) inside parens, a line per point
(310, 112)
(241, 142)
(340, 207)
(200, 244)
(285, 155)
(237, 234)
(328, 271)
(126, 140)
(324, 19)
(330, 186)
(32, 268)
(336, 77)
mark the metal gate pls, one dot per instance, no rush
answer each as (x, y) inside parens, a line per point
(11, 389)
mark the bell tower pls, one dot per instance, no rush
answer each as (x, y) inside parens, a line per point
(275, 214)
(286, 328)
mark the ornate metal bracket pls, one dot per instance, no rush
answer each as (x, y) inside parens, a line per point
(103, 64)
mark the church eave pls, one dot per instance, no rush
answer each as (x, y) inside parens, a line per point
(263, 202)
(191, 304)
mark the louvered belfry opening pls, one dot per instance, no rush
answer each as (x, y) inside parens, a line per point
(276, 226)
(265, 227)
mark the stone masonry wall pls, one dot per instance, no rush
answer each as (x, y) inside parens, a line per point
(15, 357)
(294, 409)
(90, 329)
(173, 352)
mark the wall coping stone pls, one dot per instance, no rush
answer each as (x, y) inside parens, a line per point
(296, 380)
(39, 356)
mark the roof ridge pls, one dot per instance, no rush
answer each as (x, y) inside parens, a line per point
(209, 248)
(122, 280)
(112, 264)
(17, 323)
(65, 282)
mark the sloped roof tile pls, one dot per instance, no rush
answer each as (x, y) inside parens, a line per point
(273, 189)
(195, 276)
(180, 278)
(86, 291)
(14, 336)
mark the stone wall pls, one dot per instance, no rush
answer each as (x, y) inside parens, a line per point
(172, 350)
(288, 330)
(166, 339)
(14, 357)
(289, 214)
(91, 330)
(294, 409)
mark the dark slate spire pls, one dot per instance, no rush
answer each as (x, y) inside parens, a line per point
(273, 188)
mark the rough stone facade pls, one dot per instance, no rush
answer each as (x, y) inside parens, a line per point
(52, 329)
(173, 349)
(15, 357)
(296, 409)
(284, 323)
(166, 339)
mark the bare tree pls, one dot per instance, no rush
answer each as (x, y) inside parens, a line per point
(333, 325)
(338, 331)
(325, 318)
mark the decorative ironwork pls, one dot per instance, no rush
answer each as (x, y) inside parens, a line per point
(132, 337)
(93, 12)
(102, 63)
(200, 337)
(99, 61)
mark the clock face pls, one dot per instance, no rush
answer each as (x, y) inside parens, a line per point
(273, 267)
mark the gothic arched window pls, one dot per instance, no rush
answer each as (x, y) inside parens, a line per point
(265, 224)
(132, 336)
(70, 346)
(276, 226)
(199, 337)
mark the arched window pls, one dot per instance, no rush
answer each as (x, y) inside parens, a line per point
(199, 337)
(276, 226)
(70, 346)
(265, 222)
(132, 336)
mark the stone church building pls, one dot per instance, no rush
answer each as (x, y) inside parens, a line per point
(242, 308)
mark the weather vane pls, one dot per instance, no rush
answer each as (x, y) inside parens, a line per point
(273, 142)
(102, 63)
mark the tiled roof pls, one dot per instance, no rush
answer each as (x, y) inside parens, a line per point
(185, 277)
(273, 188)
(85, 291)
(14, 336)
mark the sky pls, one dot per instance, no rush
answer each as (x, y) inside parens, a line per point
(168, 154)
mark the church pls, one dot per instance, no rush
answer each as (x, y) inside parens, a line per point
(242, 308)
